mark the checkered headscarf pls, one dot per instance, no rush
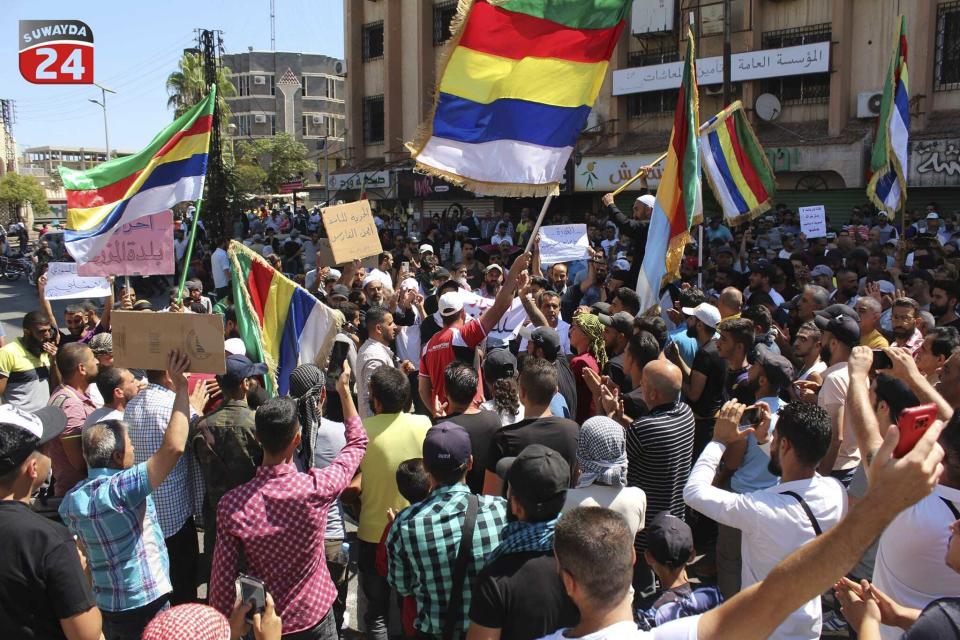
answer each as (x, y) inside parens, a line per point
(591, 326)
(602, 453)
(193, 621)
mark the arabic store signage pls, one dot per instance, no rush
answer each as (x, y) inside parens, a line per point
(749, 65)
(935, 163)
(361, 180)
(606, 173)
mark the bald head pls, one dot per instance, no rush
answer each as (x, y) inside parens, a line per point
(661, 382)
(730, 302)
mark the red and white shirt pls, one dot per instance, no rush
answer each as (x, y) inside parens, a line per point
(449, 344)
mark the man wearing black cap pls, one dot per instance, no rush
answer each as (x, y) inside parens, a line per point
(504, 607)
(616, 332)
(43, 589)
(225, 445)
(424, 541)
(761, 277)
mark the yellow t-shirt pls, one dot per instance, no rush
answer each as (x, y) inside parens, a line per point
(394, 437)
(874, 340)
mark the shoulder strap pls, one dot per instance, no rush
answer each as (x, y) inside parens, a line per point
(952, 507)
(460, 567)
(806, 509)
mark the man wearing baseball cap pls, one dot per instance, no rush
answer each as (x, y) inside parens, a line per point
(43, 588)
(424, 541)
(503, 603)
(458, 339)
(617, 329)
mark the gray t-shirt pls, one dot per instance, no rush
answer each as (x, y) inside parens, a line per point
(330, 440)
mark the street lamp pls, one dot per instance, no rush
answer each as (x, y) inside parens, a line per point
(103, 105)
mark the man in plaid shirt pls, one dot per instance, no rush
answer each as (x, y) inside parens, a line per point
(272, 527)
(424, 540)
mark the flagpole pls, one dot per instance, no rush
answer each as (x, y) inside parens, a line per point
(640, 174)
(700, 258)
(189, 253)
(536, 227)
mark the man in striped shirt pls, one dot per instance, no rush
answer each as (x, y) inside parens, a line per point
(659, 452)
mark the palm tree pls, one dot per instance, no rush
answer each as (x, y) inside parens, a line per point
(187, 86)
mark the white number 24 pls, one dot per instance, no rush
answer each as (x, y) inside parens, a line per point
(71, 66)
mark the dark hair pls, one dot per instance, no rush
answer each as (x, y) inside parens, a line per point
(13, 438)
(655, 326)
(950, 441)
(392, 388)
(944, 340)
(230, 315)
(629, 299)
(375, 316)
(595, 546)
(908, 302)
(540, 511)
(691, 297)
(460, 380)
(108, 379)
(70, 356)
(349, 310)
(72, 309)
(506, 396)
(896, 394)
(35, 318)
(807, 428)
(643, 348)
(539, 380)
(155, 376)
(277, 424)
(412, 480)
(383, 256)
(759, 315)
(949, 287)
(741, 330)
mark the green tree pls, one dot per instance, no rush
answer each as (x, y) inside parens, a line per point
(17, 190)
(248, 178)
(187, 86)
(284, 155)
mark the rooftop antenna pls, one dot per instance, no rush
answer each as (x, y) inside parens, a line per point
(273, 25)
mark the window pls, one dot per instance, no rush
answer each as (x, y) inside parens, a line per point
(303, 86)
(372, 41)
(273, 124)
(272, 79)
(243, 126)
(443, 13)
(243, 85)
(305, 128)
(946, 65)
(332, 88)
(805, 89)
(656, 56)
(652, 102)
(373, 120)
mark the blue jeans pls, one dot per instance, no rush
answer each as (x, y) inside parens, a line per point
(325, 630)
(376, 590)
(129, 625)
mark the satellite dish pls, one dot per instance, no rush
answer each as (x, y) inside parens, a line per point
(767, 107)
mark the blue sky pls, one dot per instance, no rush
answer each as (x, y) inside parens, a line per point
(136, 45)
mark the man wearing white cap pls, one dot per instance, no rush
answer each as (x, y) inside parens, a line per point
(373, 291)
(458, 339)
(934, 228)
(636, 227)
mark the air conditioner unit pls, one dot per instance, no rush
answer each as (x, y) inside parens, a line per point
(717, 89)
(317, 119)
(340, 67)
(259, 80)
(260, 118)
(868, 104)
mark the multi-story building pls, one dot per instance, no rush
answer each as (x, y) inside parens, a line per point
(818, 65)
(298, 93)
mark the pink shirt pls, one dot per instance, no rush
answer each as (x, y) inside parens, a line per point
(78, 406)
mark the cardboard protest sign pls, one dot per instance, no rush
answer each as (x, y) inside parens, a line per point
(326, 259)
(813, 221)
(142, 248)
(142, 340)
(63, 283)
(563, 243)
(352, 232)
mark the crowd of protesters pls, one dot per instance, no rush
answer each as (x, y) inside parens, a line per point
(561, 463)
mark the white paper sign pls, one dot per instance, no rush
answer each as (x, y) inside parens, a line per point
(563, 243)
(63, 283)
(813, 221)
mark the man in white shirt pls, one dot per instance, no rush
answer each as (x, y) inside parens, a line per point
(806, 348)
(382, 271)
(118, 387)
(502, 235)
(774, 521)
(909, 565)
(373, 354)
(220, 269)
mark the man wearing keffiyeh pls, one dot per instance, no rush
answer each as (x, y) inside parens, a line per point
(503, 605)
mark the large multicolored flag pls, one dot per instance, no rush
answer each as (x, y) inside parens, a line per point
(169, 170)
(888, 162)
(736, 166)
(280, 322)
(515, 90)
(679, 199)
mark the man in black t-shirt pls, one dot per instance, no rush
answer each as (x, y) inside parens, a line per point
(461, 385)
(43, 590)
(519, 595)
(544, 342)
(538, 384)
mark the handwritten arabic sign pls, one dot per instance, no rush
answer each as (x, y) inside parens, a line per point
(143, 343)
(749, 65)
(352, 232)
(142, 248)
(361, 180)
(563, 243)
(63, 283)
(813, 221)
(606, 173)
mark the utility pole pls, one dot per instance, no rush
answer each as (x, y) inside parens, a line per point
(726, 53)
(103, 104)
(216, 207)
(273, 25)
